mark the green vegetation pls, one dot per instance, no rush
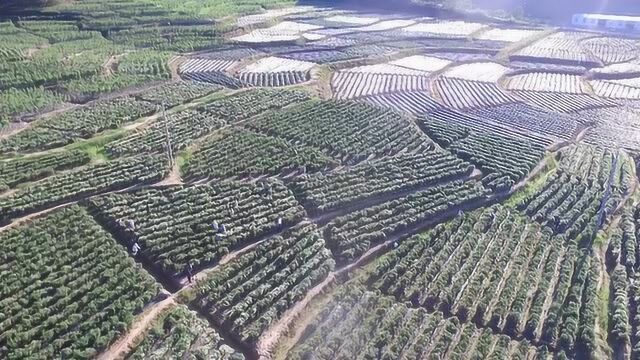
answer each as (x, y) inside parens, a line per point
(68, 288)
(179, 333)
(176, 224)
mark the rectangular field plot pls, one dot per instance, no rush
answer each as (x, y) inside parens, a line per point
(254, 290)
(503, 160)
(318, 56)
(241, 153)
(496, 269)
(544, 67)
(528, 118)
(358, 322)
(351, 235)
(181, 334)
(615, 127)
(563, 102)
(82, 182)
(589, 182)
(18, 171)
(507, 35)
(348, 131)
(422, 63)
(464, 94)
(386, 25)
(481, 124)
(216, 78)
(616, 89)
(412, 102)
(68, 289)
(385, 69)
(274, 64)
(559, 47)
(462, 55)
(176, 224)
(196, 65)
(231, 53)
(274, 79)
(352, 20)
(189, 125)
(547, 82)
(325, 192)
(177, 93)
(349, 85)
(478, 71)
(444, 28)
(81, 123)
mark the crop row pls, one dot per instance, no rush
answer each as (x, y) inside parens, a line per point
(622, 264)
(348, 85)
(412, 102)
(466, 94)
(503, 160)
(570, 199)
(215, 77)
(615, 89)
(29, 100)
(68, 288)
(351, 235)
(254, 291)
(319, 56)
(81, 123)
(560, 47)
(325, 192)
(175, 225)
(180, 333)
(84, 181)
(495, 267)
(357, 323)
(181, 38)
(528, 118)
(194, 66)
(344, 130)
(613, 127)
(442, 114)
(185, 127)
(177, 93)
(21, 170)
(611, 50)
(240, 153)
(283, 78)
(547, 82)
(563, 102)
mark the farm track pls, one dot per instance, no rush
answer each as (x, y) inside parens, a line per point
(144, 320)
(122, 346)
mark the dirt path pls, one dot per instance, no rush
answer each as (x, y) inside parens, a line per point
(174, 65)
(173, 178)
(123, 346)
(128, 341)
(110, 66)
(269, 338)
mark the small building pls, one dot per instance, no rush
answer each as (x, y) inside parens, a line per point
(607, 22)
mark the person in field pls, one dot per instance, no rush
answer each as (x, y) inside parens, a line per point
(188, 269)
(135, 248)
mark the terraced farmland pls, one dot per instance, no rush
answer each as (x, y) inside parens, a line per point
(256, 180)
